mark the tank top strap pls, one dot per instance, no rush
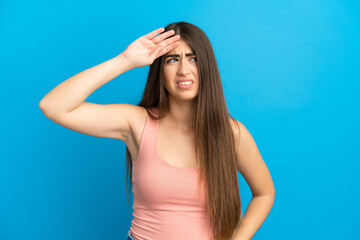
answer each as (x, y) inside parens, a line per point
(152, 122)
(147, 143)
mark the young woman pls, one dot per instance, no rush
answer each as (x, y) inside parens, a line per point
(183, 147)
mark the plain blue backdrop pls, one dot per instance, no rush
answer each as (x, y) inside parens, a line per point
(290, 72)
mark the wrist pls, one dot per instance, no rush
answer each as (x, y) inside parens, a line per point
(123, 62)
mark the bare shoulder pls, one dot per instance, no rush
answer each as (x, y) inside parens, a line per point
(243, 138)
(135, 117)
(241, 132)
(136, 122)
(237, 128)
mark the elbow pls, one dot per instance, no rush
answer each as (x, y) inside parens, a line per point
(42, 106)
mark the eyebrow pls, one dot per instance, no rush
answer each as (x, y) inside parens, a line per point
(177, 55)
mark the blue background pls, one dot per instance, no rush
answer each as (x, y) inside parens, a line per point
(290, 72)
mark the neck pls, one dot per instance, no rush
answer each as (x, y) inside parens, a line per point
(181, 114)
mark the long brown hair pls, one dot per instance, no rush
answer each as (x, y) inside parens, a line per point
(214, 135)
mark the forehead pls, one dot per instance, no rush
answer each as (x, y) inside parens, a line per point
(183, 47)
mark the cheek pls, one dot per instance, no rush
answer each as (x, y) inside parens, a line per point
(167, 82)
(167, 75)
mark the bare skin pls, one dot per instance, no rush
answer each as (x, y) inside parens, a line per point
(178, 151)
(65, 105)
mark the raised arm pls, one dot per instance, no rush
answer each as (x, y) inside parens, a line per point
(65, 103)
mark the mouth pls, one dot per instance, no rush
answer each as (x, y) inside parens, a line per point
(182, 81)
(185, 83)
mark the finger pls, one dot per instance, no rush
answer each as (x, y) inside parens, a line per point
(162, 36)
(163, 50)
(154, 33)
(165, 46)
(168, 41)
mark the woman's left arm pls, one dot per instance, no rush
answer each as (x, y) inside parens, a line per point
(254, 170)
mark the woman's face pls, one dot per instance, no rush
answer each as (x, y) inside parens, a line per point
(180, 68)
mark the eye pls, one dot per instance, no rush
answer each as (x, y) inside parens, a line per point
(171, 59)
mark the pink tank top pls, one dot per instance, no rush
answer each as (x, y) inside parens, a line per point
(168, 203)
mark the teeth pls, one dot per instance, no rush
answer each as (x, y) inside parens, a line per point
(185, 83)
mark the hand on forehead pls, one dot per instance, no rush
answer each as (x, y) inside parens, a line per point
(182, 50)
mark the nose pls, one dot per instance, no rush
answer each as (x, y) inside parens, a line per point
(184, 67)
